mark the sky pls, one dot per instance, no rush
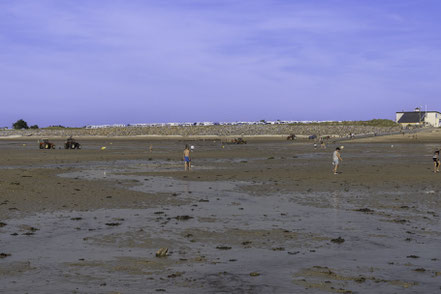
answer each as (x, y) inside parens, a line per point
(85, 62)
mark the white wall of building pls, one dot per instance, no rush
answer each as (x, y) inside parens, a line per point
(433, 119)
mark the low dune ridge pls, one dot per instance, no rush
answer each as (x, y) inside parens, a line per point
(301, 130)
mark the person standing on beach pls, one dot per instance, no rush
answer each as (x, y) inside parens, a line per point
(436, 161)
(187, 158)
(336, 158)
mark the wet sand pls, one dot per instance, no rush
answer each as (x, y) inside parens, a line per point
(266, 217)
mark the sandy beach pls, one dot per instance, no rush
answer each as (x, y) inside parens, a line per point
(265, 217)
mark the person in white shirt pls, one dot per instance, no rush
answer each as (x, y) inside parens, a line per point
(336, 158)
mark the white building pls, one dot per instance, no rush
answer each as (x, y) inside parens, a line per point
(418, 118)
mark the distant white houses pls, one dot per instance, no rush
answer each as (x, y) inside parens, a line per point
(418, 118)
(206, 123)
(105, 126)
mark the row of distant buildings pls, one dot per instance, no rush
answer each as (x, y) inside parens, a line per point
(188, 124)
(418, 118)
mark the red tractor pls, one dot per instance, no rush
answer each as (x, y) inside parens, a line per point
(45, 144)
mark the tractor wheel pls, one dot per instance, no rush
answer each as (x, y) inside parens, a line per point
(46, 146)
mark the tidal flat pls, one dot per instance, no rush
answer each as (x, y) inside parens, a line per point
(265, 217)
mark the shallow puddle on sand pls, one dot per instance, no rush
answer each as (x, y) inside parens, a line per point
(144, 165)
(218, 247)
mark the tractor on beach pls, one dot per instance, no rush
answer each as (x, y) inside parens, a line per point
(71, 144)
(236, 141)
(45, 144)
(291, 137)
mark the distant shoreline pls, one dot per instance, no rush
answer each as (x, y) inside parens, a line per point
(333, 132)
(156, 137)
(301, 131)
(223, 133)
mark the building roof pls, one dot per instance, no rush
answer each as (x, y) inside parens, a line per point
(428, 111)
(412, 117)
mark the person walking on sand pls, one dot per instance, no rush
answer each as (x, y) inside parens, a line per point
(436, 161)
(336, 158)
(187, 158)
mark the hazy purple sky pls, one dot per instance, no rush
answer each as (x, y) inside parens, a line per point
(85, 62)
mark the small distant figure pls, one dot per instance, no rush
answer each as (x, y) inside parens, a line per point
(322, 144)
(151, 148)
(336, 158)
(187, 158)
(315, 145)
(436, 161)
